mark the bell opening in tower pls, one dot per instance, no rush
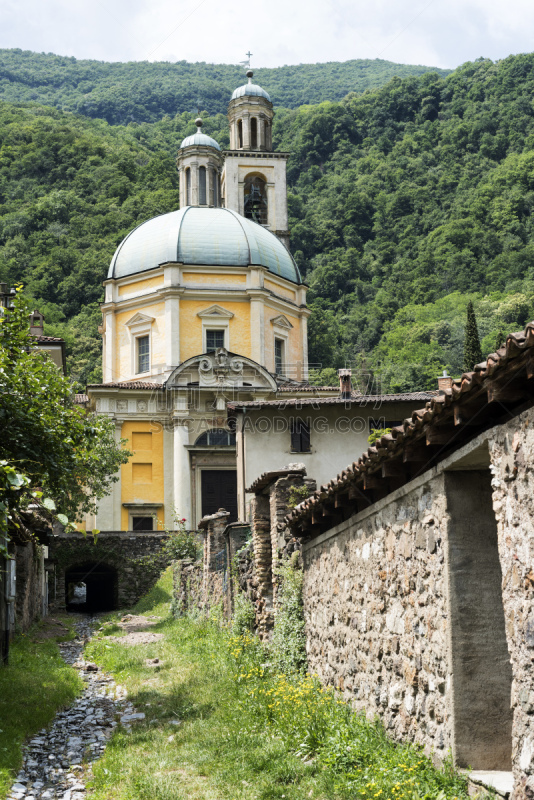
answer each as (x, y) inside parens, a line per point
(255, 205)
(254, 133)
(202, 186)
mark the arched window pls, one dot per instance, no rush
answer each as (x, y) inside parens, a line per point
(217, 437)
(256, 199)
(266, 135)
(254, 133)
(202, 186)
(213, 187)
(240, 134)
(188, 187)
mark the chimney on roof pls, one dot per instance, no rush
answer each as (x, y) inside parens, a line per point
(444, 381)
(345, 387)
(36, 323)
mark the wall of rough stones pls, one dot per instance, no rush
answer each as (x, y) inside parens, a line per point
(137, 559)
(421, 609)
(30, 603)
(375, 603)
(512, 455)
(208, 585)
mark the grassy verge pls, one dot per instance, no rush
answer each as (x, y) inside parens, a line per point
(34, 685)
(221, 725)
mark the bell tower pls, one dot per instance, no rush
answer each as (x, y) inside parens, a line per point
(199, 164)
(253, 179)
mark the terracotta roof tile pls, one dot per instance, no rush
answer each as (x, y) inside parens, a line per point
(48, 339)
(127, 385)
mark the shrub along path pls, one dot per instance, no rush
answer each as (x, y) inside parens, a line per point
(221, 725)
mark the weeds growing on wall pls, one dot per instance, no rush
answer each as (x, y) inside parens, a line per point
(244, 615)
(288, 642)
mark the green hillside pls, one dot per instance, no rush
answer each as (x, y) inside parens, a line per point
(405, 203)
(145, 91)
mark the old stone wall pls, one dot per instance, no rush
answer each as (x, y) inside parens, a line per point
(208, 585)
(198, 591)
(30, 603)
(376, 614)
(512, 456)
(421, 609)
(134, 561)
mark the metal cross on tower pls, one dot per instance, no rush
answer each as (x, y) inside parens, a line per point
(247, 62)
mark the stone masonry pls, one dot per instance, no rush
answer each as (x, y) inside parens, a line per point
(134, 561)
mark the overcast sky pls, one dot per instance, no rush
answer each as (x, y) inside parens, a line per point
(441, 33)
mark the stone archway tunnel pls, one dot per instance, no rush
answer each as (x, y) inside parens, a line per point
(112, 571)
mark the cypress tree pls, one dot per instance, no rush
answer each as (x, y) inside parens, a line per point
(472, 350)
(499, 340)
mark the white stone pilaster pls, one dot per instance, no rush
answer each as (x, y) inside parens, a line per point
(257, 330)
(109, 348)
(182, 472)
(172, 332)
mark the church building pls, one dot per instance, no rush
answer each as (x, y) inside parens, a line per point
(203, 306)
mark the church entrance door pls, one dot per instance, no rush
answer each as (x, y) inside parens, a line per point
(219, 490)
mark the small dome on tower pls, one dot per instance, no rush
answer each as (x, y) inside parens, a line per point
(250, 89)
(199, 138)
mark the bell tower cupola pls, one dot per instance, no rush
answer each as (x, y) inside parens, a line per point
(253, 181)
(199, 164)
(250, 114)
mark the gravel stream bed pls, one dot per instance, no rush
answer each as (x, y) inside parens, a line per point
(57, 761)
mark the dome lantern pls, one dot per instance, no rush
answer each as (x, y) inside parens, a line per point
(199, 164)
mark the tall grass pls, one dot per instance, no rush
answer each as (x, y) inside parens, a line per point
(244, 729)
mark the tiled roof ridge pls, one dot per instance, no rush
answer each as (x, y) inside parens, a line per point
(355, 397)
(391, 445)
(126, 385)
(42, 338)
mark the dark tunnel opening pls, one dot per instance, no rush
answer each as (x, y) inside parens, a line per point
(91, 587)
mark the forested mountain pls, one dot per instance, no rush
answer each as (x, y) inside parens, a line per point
(405, 202)
(144, 91)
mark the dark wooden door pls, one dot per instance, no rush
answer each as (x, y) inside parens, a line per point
(219, 490)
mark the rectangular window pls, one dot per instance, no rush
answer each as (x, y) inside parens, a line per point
(214, 340)
(143, 354)
(142, 524)
(279, 356)
(300, 436)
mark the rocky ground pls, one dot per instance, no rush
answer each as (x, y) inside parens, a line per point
(57, 762)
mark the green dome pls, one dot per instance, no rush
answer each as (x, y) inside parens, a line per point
(203, 236)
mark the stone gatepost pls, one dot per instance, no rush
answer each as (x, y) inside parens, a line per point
(213, 527)
(271, 538)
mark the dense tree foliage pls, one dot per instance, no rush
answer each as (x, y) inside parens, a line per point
(409, 194)
(405, 203)
(47, 444)
(146, 91)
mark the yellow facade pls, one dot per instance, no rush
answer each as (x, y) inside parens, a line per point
(124, 342)
(191, 327)
(211, 279)
(289, 294)
(141, 286)
(142, 478)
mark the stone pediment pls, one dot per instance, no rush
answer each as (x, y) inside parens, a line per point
(221, 369)
(281, 322)
(215, 311)
(139, 319)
